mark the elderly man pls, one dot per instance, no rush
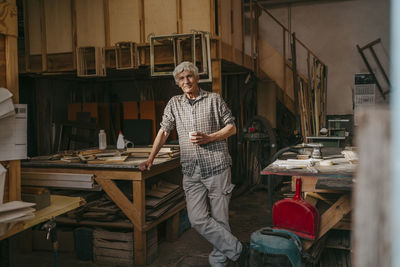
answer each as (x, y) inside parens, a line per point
(203, 122)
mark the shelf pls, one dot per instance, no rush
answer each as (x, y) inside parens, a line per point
(58, 206)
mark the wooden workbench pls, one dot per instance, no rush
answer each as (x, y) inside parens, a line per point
(335, 178)
(105, 175)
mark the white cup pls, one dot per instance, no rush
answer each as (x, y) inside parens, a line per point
(191, 135)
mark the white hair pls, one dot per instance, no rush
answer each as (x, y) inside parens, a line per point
(185, 65)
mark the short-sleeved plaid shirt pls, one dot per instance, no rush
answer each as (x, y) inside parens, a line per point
(208, 114)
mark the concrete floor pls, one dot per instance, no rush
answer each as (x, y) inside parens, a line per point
(248, 213)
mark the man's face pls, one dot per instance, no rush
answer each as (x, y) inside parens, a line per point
(188, 82)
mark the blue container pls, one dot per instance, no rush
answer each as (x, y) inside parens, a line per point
(275, 247)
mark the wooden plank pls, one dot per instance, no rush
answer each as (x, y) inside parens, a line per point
(212, 18)
(114, 253)
(308, 184)
(142, 21)
(332, 216)
(225, 22)
(90, 23)
(109, 235)
(139, 233)
(104, 174)
(125, 21)
(12, 66)
(160, 169)
(373, 195)
(196, 15)
(172, 231)
(121, 201)
(216, 73)
(57, 176)
(14, 183)
(74, 33)
(58, 26)
(140, 248)
(106, 9)
(160, 17)
(3, 61)
(345, 183)
(91, 223)
(26, 36)
(43, 35)
(139, 190)
(60, 184)
(180, 206)
(8, 19)
(33, 9)
(179, 15)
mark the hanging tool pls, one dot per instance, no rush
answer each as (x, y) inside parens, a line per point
(50, 227)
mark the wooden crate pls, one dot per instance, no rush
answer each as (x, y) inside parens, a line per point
(118, 247)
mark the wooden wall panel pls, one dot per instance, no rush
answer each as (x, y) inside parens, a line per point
(160, 17)
(237, 25)
(124, 21)
(8, 19)
(226, 34)
(90, 23)
(58, 26)
(12, 67)
(196, 15)
(2, 60)
(35, 41)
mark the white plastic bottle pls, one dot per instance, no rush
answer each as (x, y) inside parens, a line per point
(102, 140)
(120, 141)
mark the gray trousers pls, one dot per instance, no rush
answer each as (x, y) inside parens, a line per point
(215, 226)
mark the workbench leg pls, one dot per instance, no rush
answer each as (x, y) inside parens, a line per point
(4, 253)
(140, 245)
(270, 193)
(172, 232)
(140, 235)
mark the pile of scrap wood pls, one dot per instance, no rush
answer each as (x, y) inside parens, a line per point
(162, 197)
(102, 209)
(97, 156)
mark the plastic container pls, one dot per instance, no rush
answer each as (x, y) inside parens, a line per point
(84, 243)
(102, 140)
(120, 141)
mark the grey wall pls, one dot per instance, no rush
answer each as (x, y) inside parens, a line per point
(332, 31)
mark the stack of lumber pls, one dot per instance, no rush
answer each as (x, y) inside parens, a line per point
(114, 248)
(99, 210)
(144, 152)
(161, 197)
(14, 211)
(60, 180)
(97, 156)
